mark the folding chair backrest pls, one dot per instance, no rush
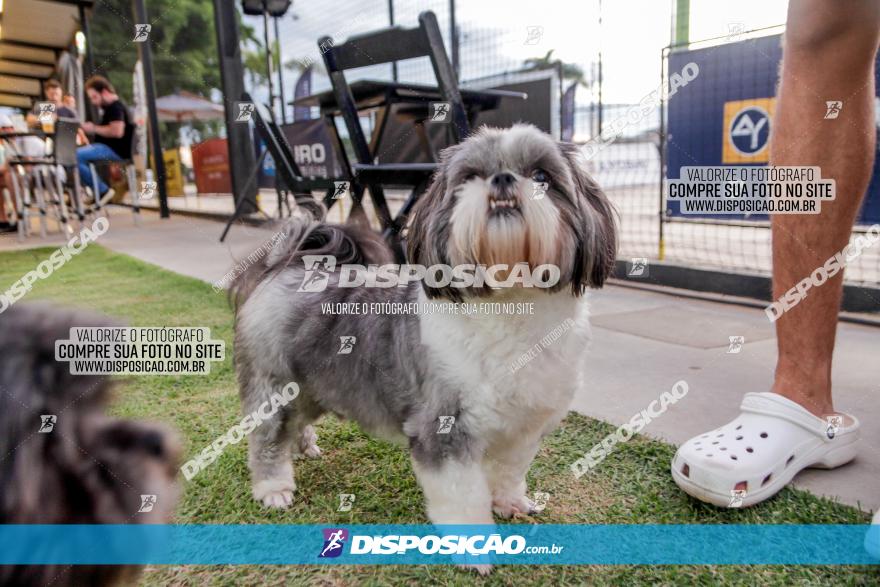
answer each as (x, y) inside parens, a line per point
(64, 141)
(384, 46)
(281, 140)
(285, 167)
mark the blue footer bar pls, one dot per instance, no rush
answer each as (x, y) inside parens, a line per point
(427, 544)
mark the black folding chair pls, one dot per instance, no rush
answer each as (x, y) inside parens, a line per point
(64, 154)
(385, 46)
(287, 175)
(47, 180)
(298, 183)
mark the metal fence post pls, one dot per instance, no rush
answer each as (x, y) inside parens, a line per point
(661, 207)
(140, 14)
(453, 33)
(242, 160)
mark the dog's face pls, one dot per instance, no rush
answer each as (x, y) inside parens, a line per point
(512, 196)
(66, 461)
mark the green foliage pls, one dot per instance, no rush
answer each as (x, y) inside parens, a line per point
(570, 71)
(183, 42)
(182, 38)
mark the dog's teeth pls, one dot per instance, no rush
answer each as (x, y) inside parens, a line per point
(492, 204)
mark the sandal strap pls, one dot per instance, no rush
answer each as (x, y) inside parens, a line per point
(773, 404)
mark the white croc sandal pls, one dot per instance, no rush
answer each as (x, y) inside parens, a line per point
(872, 538)
(755, 456)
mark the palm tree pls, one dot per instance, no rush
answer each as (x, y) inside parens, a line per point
(570, 71)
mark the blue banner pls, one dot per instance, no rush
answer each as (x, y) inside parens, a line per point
(724, 116)
(719, 544)
(302, 89)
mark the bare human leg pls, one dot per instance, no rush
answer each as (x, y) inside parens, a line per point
(829, 54)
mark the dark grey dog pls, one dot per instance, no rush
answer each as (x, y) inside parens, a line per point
(62, 460)
(442, 381)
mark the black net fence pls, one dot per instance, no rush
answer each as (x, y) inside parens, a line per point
(635, 134)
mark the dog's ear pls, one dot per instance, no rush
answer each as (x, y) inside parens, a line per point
(595, 226)
(428, 231)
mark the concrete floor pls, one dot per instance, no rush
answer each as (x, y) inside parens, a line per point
(644, 342)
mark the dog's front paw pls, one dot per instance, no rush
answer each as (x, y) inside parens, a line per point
(483, 570)
(274, 493)
(508, 507)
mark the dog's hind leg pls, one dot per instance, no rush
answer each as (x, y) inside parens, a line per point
(269, 445)
(274, 441)
(307, 443)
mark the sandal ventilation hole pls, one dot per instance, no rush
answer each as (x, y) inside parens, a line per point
(749, 449)
(699, 449)
(790, 459)
(716, 442)
(719, 436)
(739, 437)
(766, 480)
(742, 486)
(740, 426)
(733, 457)
(723, 448)
(764, 435)
(709, 455)
(686, 470)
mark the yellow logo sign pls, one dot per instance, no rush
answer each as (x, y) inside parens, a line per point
(747, 130)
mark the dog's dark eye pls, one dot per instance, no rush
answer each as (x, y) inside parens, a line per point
(540, 176)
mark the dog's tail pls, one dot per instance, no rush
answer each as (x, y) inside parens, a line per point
(298, 237)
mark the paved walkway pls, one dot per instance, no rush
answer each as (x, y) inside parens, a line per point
(644, 342)
(731, 247)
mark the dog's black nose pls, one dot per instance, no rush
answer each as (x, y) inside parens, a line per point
(503, 180)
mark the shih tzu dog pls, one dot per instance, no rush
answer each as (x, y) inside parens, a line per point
(441, 381)
(62, 460)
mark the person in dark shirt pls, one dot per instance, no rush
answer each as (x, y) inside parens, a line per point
(112, 135)
(54, 94)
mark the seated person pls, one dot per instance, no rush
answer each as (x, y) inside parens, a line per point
(5, 173)
(113, 134)
(54, 95)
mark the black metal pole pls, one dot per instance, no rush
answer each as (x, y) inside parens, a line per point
(453, 32)
(268, 57)
(661, 207)
(599, 109)
(146, 57)
(242, 160)
(391, 22)
(280, 74)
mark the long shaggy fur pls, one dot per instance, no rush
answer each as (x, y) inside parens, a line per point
(407, 373)
(90, 469)
(350, 243)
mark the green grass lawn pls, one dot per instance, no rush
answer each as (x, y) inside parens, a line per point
(632, 485)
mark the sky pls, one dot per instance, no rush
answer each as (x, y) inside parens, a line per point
(494, 32)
